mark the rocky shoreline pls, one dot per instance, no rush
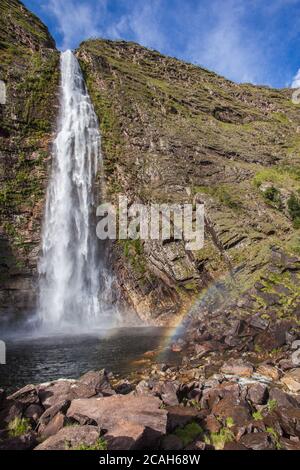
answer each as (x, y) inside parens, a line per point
(218, 398)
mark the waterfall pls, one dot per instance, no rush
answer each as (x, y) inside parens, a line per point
(69, 275)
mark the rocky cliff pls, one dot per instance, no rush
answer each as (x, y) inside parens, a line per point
(171, 132)
(174, 132)
(29, 69)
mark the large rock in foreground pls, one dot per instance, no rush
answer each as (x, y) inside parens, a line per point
(109, 411)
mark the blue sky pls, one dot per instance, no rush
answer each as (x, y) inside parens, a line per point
(254, 41)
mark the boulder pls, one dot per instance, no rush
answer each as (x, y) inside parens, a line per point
(108, 411)
(258, 393)
(53, 426)
(169, 393)
(64, 389)
(98, 381)
(50, 413)
(288, 444)
(236, 409)
(237, 367)
(70, 438)
(124, 387)
(179, 416)
(257, 441)
(26, 395)
(212, 424)
(33, 412)
(289, 420)
(127, 435)
(292, 380)
(282, 399)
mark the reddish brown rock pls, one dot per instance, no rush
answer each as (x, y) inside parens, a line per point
(236, 409)
(169, 393)
(127, 435)
(257, 441)
(98, 381)
(55, 425)
(237, 367)
(179, 416)
(289, 420)
(107, 411)
(212, 424)
(258, 393)
(70, 438)
(26, 395)
(288, 444)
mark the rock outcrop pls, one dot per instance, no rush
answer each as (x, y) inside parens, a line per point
(174, 133)
(29, 68)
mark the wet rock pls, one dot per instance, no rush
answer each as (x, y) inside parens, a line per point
(292, 380)
(257, 441)
(237, 367)
(70, 438)
(26, 442)
(171, 442)
(258, 393)
(26, 395)
(107, 411)
(269, 371)
(98, 381)
(124, 388)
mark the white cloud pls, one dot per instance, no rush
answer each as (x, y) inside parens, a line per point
(225, 45)
(76, 21)
(296, 80)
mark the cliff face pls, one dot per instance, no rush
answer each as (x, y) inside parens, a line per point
(29, 69)
(173, 132)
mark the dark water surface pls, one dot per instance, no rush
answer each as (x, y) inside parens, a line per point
(44, 359)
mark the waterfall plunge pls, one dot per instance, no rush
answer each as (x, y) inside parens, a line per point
(69, 274)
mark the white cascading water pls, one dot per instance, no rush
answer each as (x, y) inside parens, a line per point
(69, 274)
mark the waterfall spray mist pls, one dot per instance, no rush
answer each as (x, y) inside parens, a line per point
(69, 274)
